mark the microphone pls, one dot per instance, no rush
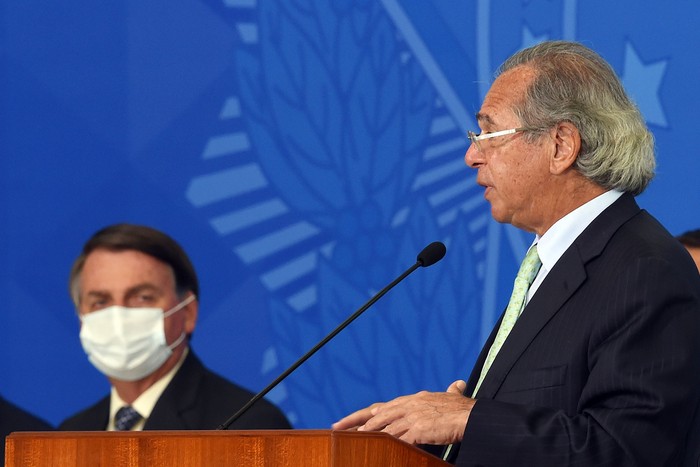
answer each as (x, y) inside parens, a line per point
(430, 255)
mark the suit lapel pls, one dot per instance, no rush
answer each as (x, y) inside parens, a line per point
(479, 364)
(561, 283)
(170, 412)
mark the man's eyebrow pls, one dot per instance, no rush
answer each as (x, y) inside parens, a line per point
(145, 287)
(97, 293)
(485, 118)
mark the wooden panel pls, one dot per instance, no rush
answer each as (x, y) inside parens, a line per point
(279, 448)
(380, 449)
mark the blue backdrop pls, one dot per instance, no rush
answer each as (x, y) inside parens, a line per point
(302, 152)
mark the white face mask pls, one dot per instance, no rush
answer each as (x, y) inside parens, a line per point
(128, 343)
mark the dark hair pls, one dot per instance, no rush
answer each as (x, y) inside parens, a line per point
(690, 238)
(121, 237)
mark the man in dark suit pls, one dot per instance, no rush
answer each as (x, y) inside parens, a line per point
(13, 418)
(136, 292)
(595, 361)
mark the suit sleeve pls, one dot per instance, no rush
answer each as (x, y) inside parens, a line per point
(642, 387)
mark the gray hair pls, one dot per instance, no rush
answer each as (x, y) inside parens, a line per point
(575, 84)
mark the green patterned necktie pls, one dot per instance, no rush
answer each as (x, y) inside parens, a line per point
(528, 270)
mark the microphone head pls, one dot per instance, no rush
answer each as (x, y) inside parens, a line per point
(431, 254)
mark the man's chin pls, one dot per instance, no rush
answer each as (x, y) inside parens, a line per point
(498, 214)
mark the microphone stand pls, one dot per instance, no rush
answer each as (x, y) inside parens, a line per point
(427, 257)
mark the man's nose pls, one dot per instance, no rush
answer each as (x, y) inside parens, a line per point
(473, 156)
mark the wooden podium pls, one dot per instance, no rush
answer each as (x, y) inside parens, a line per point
(269, 448)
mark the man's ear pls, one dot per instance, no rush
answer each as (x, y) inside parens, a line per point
(567, 141)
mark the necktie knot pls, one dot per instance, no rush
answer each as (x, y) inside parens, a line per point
(529, 267)
(126, 418)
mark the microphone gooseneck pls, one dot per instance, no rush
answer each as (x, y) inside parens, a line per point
(430, 255)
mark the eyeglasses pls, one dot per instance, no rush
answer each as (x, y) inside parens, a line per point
(474, 138)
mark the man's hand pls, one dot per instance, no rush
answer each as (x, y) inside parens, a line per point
(422, 418)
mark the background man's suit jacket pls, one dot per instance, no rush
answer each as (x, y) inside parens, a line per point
(195, 399)
(603, 366)
(12, 418)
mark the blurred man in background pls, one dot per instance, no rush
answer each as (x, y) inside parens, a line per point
(136, 293)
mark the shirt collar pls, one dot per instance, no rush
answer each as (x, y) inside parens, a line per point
(552, 245)
(145, 403)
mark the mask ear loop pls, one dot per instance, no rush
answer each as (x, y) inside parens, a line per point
(175, 309)
(179, 306)
(177, 341)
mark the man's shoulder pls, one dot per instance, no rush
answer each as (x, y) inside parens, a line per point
(214, 385)
(194, 373)
(213, 393)
(94, 417)
(217, 384)
(13, 418)
(628, 230)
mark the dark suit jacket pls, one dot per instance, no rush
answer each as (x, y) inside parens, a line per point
(12, 419)
(603, 366)
(195, 399)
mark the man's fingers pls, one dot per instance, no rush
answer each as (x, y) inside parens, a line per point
(355, 419)
(457, 387)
